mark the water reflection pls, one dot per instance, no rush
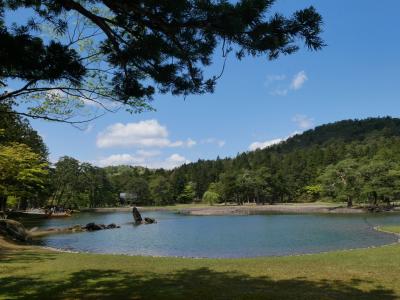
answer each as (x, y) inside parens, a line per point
(222, 236)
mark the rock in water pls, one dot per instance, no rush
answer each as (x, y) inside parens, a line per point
(149, 220)
(14, 230)
(94, 227)
(112, 226)
(136, 216)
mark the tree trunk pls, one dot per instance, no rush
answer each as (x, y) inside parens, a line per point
(375, 199)
(349, 202)
(3, 203)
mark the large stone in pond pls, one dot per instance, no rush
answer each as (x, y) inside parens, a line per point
(94, 227)
(149, 220)
(112, 226)
(14, 230)
(137, 216)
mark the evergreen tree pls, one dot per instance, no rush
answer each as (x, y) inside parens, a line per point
(124, 52)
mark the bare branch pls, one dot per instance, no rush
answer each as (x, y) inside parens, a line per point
(60, 120)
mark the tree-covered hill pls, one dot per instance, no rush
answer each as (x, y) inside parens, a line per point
(351, 160)
(346, 131)
(296, 168)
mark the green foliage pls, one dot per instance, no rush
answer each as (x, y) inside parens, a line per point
(22, 171)
(76, 184)
(211, 197)
(160, 190)
(313, 192)
(124, 52)
(13, 128)
(12, 201)
(353, 161)
(343, 180)
(188, 194)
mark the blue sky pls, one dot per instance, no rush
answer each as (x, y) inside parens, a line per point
(256, 100)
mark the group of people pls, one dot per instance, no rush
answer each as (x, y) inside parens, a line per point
(50, 210)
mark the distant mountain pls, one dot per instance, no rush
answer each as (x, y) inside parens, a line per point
(299, 161)
(345, 131)
(350, 160)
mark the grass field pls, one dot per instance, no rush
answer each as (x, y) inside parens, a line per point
(394, 229)
(32, 273)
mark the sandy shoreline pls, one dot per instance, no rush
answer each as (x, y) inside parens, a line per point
(218, 210)
(126, 209)
(277, 208)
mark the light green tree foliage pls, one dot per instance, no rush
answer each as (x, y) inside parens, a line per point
(246, 185)
(160, 190)
(188, 194)
(381, 180)
(67, 182)
(139, 187)
(213, 194)
(210, 197)
(313, 192)
(96, 189)
(266, 189)
(78, 184)
(22, 172)
(229, 186)
(343, 181)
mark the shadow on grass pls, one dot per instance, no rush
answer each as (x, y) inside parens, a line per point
(24, 256)
(200, 283)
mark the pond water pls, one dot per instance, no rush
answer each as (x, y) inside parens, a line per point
(221, 236)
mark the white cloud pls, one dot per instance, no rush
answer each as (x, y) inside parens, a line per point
(273, 78)
(280, 88)
(144, 159)
(190, 143)
(219, 143)
(120, 159)
(145, 153)
(298, 80)
(147, 133)
(175, 160)
(303, 122)
(265, 144)
(269, 143)
(279, 92)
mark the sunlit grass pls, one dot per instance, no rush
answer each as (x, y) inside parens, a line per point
(354, 274)
(394, 229)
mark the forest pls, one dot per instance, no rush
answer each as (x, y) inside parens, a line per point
(353, 161)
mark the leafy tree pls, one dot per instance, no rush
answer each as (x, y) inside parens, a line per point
(160, 190)
(313, 192)
(96, 186)
(344, 180)
(71, 52)
(17, 129)
(22, 172)
(188, 194)
(211, 197)
(139, 187)
(67, 182)
(229, 187)
(381, 180)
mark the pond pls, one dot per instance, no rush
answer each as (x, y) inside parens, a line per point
(222, 236)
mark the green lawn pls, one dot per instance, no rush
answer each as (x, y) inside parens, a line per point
(395, 229)
(355, 274)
